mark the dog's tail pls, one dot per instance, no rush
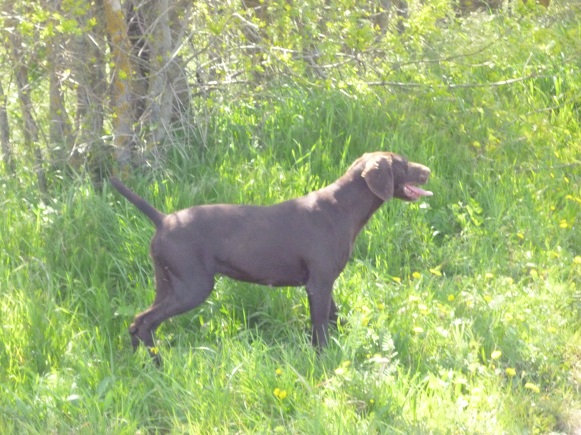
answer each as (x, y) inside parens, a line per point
(151, 212)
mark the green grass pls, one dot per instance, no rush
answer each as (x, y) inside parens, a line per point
(463, 310)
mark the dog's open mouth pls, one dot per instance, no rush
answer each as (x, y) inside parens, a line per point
(414, 192)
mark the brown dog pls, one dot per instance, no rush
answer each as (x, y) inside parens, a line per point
(303, 241)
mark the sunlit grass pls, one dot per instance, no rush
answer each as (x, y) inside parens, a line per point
(462, 310)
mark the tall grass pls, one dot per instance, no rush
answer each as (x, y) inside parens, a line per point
(463, 310)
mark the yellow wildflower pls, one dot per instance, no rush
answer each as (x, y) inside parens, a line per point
(532, 387)
(436, 271)
(280, 394)
(343, 368)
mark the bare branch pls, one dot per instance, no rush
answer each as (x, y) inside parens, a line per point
(494, 84)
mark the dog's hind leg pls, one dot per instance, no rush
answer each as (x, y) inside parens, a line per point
(174, 295)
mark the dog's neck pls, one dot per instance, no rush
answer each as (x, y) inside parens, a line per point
(352, 196)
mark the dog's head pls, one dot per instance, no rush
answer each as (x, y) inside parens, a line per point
(389, 175)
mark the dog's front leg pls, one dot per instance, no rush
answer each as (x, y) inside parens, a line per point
(320, 301)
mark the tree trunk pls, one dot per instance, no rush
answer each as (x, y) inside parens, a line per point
(156, 30)
(30, 128)
(60, 137)
(256, 36)
(5, 134)
(160, 95)
(90, 150)
(123, 113)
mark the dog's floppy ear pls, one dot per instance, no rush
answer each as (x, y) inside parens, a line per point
(379, 177)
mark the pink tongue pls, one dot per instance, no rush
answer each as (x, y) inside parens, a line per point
(419, 192)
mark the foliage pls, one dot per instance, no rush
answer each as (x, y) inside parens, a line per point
(127, 91)
(462, 310)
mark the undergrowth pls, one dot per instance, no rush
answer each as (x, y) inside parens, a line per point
(462, 310)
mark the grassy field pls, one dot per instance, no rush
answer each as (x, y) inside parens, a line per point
(463, 310)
